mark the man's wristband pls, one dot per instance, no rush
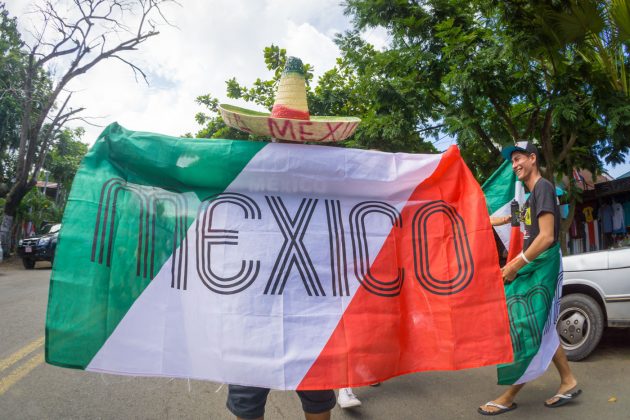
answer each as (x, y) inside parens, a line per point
(525, 258)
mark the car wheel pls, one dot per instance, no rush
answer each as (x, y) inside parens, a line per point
(28, 263)
(580, 325)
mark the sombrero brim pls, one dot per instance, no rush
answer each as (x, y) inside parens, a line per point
(317, 129)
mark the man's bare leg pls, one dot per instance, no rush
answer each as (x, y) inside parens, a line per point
(567, 380)
(319, 416)
(505, 399)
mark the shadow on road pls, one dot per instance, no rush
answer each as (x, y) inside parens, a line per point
(615, 343)
(15, 263)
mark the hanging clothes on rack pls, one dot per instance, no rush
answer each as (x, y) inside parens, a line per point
(605, 214)
(619, 223)
(591, 229)
(626, 212)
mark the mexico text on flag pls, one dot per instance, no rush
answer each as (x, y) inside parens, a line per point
(275, 265)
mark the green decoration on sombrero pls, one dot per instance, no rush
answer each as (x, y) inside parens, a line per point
(294, 65)
(290, 118)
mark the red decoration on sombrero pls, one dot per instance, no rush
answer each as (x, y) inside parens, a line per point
(281, 111)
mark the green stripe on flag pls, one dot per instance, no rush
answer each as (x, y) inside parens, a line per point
(86, 304)
(529, 300)
(499, 188)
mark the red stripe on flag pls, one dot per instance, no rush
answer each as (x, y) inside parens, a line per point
(381, 337)
(516, 243)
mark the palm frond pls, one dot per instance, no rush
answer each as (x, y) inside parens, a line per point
(584, 17)
(619, 11)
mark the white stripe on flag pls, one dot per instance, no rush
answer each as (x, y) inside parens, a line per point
(503, 231)
(253, 338)
(550, 341)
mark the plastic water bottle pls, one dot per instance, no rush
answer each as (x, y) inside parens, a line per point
(514, 211)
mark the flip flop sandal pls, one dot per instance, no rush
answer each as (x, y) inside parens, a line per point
(501, 409)
(563, 399)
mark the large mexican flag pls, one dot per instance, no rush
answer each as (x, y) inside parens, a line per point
(274, 265)
(533, 298)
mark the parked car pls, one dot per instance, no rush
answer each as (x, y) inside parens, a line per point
(40, 247)
(596, 294)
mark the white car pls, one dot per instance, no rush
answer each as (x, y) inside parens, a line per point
(596, 294)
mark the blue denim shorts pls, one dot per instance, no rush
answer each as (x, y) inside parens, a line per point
(248, 402)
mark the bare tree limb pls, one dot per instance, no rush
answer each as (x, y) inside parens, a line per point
(135, 69)
(68, 44)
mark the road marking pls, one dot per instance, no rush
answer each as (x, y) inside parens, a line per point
(21, 372)
(21, 353)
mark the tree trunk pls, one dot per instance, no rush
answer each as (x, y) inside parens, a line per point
(546, 148)
(14, 198)
(5, 234)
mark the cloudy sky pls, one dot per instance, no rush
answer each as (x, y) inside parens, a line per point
(213, 41)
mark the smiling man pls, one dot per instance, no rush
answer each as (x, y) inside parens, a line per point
(541, 216)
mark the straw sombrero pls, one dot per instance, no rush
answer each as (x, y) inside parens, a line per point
(289, 118)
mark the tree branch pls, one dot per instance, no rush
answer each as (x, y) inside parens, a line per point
(487, 141)
(567, 147)
(485, 138)
(135, 69)
(505, 117)
(75, 42)
(431, 128)
(531, 125)
(545, 142)
(55, 127)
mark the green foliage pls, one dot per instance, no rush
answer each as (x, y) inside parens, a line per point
(213, 125)
(11, 63)
(37, 208)
(261, 93)
(13, 67)
(64, 159)
(600, 31)
(486, 73)
(494, 72)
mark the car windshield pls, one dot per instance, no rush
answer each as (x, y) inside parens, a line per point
(51, 228)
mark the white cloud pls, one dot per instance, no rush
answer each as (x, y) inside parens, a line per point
(312, 46)
(214, 41)
(377, 36)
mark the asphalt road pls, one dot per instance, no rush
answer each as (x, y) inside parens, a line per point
(30, 389)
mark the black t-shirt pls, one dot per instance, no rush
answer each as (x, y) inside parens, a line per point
(541, 200)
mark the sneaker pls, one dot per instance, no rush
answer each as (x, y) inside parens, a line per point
(347, 399)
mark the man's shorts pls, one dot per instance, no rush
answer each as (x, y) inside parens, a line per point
(248, 402)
